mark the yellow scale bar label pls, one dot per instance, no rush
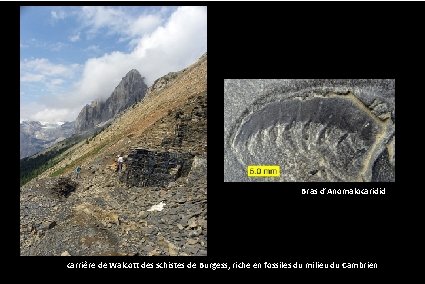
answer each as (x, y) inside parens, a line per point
(263, 171)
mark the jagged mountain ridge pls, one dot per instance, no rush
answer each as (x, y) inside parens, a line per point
(36, 136)
(130, 90)
(109, 216)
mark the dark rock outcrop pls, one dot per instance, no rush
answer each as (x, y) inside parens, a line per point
(156, 168)
(63, 187)
(129, 91)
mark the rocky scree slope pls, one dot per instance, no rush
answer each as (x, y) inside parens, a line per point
(106, 214)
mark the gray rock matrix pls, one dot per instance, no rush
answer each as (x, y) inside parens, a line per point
(60, 217)
(315, 130)
(130, 90)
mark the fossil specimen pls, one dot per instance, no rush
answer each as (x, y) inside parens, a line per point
(317, 135)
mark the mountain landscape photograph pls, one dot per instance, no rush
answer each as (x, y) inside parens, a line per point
(113, 131)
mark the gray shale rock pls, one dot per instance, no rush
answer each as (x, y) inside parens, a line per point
(115, 222)
(315, 130)
(156, 168)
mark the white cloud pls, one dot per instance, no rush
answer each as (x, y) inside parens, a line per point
(96, 18)
(57, 46)
(32, 78)
(160, 47)
(40, 112)
(43, 67)
(93, 48)
(171, 47)
(57, 15)
(35, 43)
(51, 115)
(119, 21)
(45, 81)
(56, 82)
(74, 37)
(101, 75)
(144, 24)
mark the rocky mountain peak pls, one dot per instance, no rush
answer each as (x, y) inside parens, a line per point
(133, 72)
(162, 82)
(94, 103)
(129, 91)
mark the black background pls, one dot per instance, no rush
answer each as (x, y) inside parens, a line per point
(274, 221)
(312, 40)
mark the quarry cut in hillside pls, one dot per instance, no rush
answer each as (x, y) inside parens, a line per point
(155, 168)
(156, 206)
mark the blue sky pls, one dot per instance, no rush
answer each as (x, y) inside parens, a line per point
(70, 56)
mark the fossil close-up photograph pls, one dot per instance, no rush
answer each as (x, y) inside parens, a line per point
(313, 130)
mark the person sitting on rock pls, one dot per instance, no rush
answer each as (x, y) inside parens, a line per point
(77, 172)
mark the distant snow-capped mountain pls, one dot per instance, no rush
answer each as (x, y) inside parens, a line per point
(36, 136)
